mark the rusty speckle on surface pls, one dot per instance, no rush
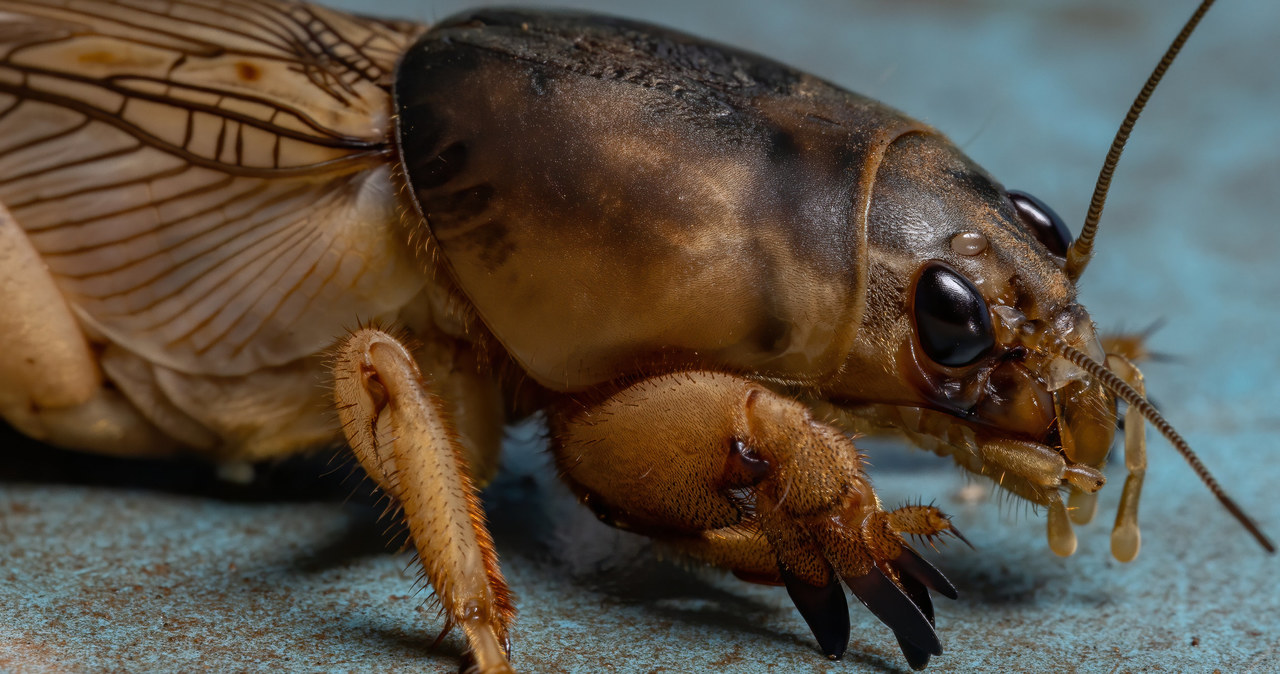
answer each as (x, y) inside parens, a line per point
(158, 569)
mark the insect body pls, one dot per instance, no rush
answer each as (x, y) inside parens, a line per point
(688, 256)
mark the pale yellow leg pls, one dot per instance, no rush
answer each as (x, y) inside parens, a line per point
(1038, 464)
(404, 436)
(1062, 540)
(1126, 539)
(1038, 472)
(1082, 506)
(1031, 470)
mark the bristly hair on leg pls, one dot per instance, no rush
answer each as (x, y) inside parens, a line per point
(924, 523)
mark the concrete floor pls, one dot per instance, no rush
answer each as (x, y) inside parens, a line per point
(141, 567)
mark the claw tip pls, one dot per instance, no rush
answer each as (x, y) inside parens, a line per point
(824, 609)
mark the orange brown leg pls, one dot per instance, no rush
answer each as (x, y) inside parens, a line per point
(692, 458)
(403, 434)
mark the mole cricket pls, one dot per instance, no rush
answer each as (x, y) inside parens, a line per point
(705, 268)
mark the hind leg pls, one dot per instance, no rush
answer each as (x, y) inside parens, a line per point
(50, 385)
(406, 437)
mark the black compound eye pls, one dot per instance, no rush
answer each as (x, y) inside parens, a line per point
(952, 321)
(1042, 222)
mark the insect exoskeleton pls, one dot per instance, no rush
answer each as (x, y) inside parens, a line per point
(627, 208)
(707, 269)
(700, 207)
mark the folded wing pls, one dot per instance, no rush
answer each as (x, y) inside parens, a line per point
(208, 180)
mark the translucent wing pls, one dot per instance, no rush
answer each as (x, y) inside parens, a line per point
(207, 179)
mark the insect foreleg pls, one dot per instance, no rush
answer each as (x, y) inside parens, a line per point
(50, 385)
(404, 435)
(687, 456)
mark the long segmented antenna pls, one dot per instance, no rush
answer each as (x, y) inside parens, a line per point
(1127, 393)
(1081, 251)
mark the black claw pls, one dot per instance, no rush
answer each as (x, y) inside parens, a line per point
(894, 608)
(915, 566)
(917, 657)
(918, 593)
(824, 609)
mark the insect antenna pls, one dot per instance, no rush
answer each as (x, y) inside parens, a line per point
(1081, 251)
(1127, 393)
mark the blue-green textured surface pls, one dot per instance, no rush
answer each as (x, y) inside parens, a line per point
(112, 566)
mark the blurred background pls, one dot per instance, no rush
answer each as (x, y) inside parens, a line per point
(120, 566)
